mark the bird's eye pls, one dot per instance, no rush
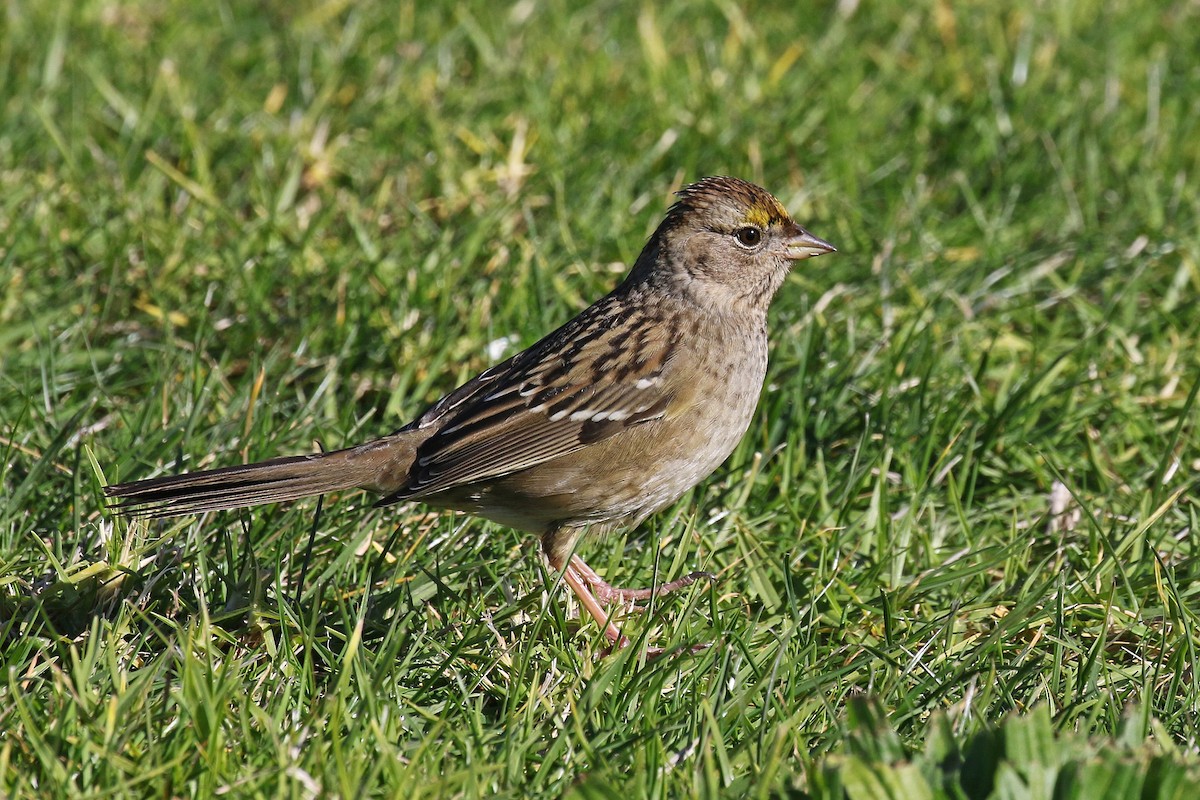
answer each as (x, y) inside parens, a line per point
(748, 236)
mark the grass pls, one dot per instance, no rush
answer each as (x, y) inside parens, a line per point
(227, 233)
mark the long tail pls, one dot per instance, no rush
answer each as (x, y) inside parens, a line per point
(375, 465)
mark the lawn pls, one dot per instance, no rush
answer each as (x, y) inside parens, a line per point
(956, 554)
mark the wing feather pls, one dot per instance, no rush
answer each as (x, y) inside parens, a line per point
(577, 386)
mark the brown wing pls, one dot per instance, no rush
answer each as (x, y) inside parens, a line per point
(591, 379)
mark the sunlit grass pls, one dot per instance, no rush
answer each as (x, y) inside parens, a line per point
(230, 233)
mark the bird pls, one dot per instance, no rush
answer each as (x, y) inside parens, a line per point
(603, 422)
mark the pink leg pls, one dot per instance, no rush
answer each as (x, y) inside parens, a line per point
(579, 585)
(606, 592)
(587, 585)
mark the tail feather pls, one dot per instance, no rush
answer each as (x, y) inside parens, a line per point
(273, 481)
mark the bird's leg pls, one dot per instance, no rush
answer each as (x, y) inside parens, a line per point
(588, 600)
(587, 585)
(558, 544)
(606, 592)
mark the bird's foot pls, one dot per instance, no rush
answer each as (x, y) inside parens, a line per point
(607, 593)
(592, 591)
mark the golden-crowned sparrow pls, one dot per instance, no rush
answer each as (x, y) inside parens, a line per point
(605, 421)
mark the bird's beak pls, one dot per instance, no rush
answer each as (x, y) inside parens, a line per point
(803, 245)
